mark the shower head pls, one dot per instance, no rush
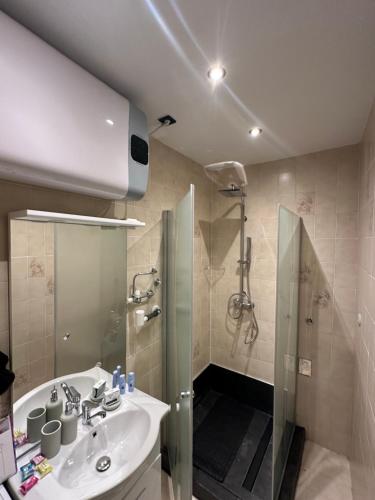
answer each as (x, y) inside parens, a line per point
(232, 191)
(230, 176)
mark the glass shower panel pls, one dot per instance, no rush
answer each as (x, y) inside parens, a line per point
(288, 262)
(179, 330)
(90, 291)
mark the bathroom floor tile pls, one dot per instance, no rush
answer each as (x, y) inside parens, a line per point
(324, 475)
(167, 488)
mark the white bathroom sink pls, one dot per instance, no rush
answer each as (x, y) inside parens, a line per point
(121, 437)
(128, 436)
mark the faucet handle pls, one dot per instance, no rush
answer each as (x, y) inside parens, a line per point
(86, 403)
(87, 406)
(75, 395)
(67, 391)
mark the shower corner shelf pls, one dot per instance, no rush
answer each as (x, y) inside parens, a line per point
(40, 216)
(214, 268)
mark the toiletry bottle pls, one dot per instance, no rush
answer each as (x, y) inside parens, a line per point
(69, 423)
(114, 379)
(54, 406)
(131, 381)
(118, 368)
(122, 384)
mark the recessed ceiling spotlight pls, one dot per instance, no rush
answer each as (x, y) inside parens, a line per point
(110, 122)
(216, 73)
(255, 131)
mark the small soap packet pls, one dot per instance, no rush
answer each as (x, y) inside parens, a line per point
(27, 471)
(44, 468)
(38, 459)
(112, 399)
(19, 438)
(17, 433)
(28, 484)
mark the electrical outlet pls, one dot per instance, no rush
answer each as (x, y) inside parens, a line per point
(304, 367)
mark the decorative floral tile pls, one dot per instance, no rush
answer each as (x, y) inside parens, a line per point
(36, 268)
(305, 203)
(322, 298)
(305, 273)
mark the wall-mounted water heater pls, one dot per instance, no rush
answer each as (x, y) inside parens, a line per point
(63, 128)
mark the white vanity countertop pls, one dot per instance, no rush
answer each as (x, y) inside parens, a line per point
(127, 435)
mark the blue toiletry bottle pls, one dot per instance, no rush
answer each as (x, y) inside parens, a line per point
(122, 384)
(131, 381)
(114, 379)
(118, 368)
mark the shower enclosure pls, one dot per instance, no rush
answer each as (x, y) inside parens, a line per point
(286, 342)
(178, 228)
(242, 424)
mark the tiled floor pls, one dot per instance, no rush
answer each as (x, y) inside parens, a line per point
(166, 487)
(325, 475)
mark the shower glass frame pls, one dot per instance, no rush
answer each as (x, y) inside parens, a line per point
(286, 341)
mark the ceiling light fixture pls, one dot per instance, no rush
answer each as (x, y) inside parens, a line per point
(110, 122)
(216, 73)
(255, 132)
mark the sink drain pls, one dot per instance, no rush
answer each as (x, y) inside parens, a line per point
(103, 464)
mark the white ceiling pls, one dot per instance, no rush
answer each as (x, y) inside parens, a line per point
(304, 70)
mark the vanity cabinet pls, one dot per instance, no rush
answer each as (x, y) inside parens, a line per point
(148, 486)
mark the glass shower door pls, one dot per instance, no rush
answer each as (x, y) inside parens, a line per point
(288, 262)
(178, 340)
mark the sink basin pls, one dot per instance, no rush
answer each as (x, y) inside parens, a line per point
(121, 437)
(39, 396)
(129, 436)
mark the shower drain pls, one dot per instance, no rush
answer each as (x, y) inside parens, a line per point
(103, 464)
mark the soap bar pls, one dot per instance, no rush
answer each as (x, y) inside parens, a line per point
(38, 459)
(20, 439)
(26, 471)
(27, 485)
(44, 468)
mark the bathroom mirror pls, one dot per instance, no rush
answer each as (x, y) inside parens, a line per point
(67, 299)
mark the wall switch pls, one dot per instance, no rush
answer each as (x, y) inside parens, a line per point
(290, 363)
(304, 367)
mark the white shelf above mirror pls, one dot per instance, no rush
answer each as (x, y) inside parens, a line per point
(40, 216)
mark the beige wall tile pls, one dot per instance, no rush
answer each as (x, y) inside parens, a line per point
(325, 224)
(347, 225)
(3, 272)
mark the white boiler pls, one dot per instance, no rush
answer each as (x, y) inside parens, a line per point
(63, 128)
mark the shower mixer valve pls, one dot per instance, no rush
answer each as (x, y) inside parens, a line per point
(243, 303)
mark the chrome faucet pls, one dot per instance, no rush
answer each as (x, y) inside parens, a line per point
(87, 406)
(73, 396)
